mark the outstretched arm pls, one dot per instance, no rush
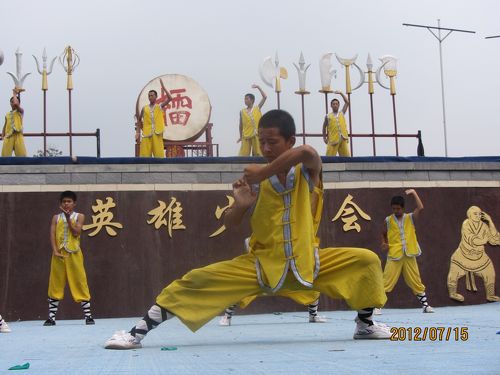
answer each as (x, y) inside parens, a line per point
(305, 154)
(420, 205)
(346, 101)
(262, 93)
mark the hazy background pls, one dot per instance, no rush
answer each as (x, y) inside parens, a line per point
(220, 44)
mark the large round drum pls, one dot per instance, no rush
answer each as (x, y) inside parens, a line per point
(187, 115)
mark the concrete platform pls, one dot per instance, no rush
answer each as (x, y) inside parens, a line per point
(263, 344)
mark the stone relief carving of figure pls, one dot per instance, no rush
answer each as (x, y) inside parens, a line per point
(470, 259)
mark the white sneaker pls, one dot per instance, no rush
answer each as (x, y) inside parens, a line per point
(225, 321)
(377, 311)
(428, 309)
(122, 340)
(317, 319)
(4, 328)
(375, 331)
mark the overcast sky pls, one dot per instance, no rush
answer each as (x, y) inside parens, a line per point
(220, 44)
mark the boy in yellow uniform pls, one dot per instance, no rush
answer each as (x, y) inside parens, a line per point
(152, 124)
(12, 131)
(282, 256)
(249, 121)
(335, 129)
(400, 239)
(67, 259)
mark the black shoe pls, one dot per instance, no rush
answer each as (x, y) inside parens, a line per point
(49, 322)
(89, 321)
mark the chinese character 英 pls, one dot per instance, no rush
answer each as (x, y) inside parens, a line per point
(103, 218)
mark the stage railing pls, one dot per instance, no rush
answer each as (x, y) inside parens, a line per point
(418, 136)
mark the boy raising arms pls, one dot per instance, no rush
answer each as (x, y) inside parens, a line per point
(282, 255)
(67, 259)
(399, 238)
(335, 129)
(249, 122)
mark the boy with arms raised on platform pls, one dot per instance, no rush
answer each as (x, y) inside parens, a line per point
(249, 122)
(335, 129)
(12, 131)
(282, 252)
(152, 124)
(67, 259)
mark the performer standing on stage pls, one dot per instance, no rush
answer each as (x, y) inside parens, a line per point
(152, 124)
(12, 131)
(67, 259)
(249, 121)
(335, 129)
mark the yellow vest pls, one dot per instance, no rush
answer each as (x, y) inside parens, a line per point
(13, 123)
(64, 237)
(283, 230)
(147, 125)
(402, 239)
(250, 122)
(337, 129)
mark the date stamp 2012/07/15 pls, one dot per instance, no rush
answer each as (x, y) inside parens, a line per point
(429, 333)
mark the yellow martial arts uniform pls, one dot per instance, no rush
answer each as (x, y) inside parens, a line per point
(70, 268)
(14, 139)
(282, 257)
(338, 139)
(153, 126)
(249, 138)
(301, 297)
(403, 250)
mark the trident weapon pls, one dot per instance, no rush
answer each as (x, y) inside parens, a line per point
(371, 90)
(43, 71)
(19, 77)
(348, 88)
(389, 64)
(271, 73)
(69, 61)
(301, 71)
(326, 74)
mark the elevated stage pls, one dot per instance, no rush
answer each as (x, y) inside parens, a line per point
(150, 221)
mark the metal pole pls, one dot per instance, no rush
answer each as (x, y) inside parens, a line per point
(98, 139)
(395, 123)
(442, 88)
(303, 120)
(278, 96)
(350, 119)
(440, 40)
(70, 127)
(44, 122)
(373, 125)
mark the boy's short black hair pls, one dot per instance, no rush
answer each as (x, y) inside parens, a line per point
(277, 118)
(251, 96)
(334, 100)
(67, 194)
(154, 92)
(398, 200)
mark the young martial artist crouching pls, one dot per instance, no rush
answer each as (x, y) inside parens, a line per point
(282, 253)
